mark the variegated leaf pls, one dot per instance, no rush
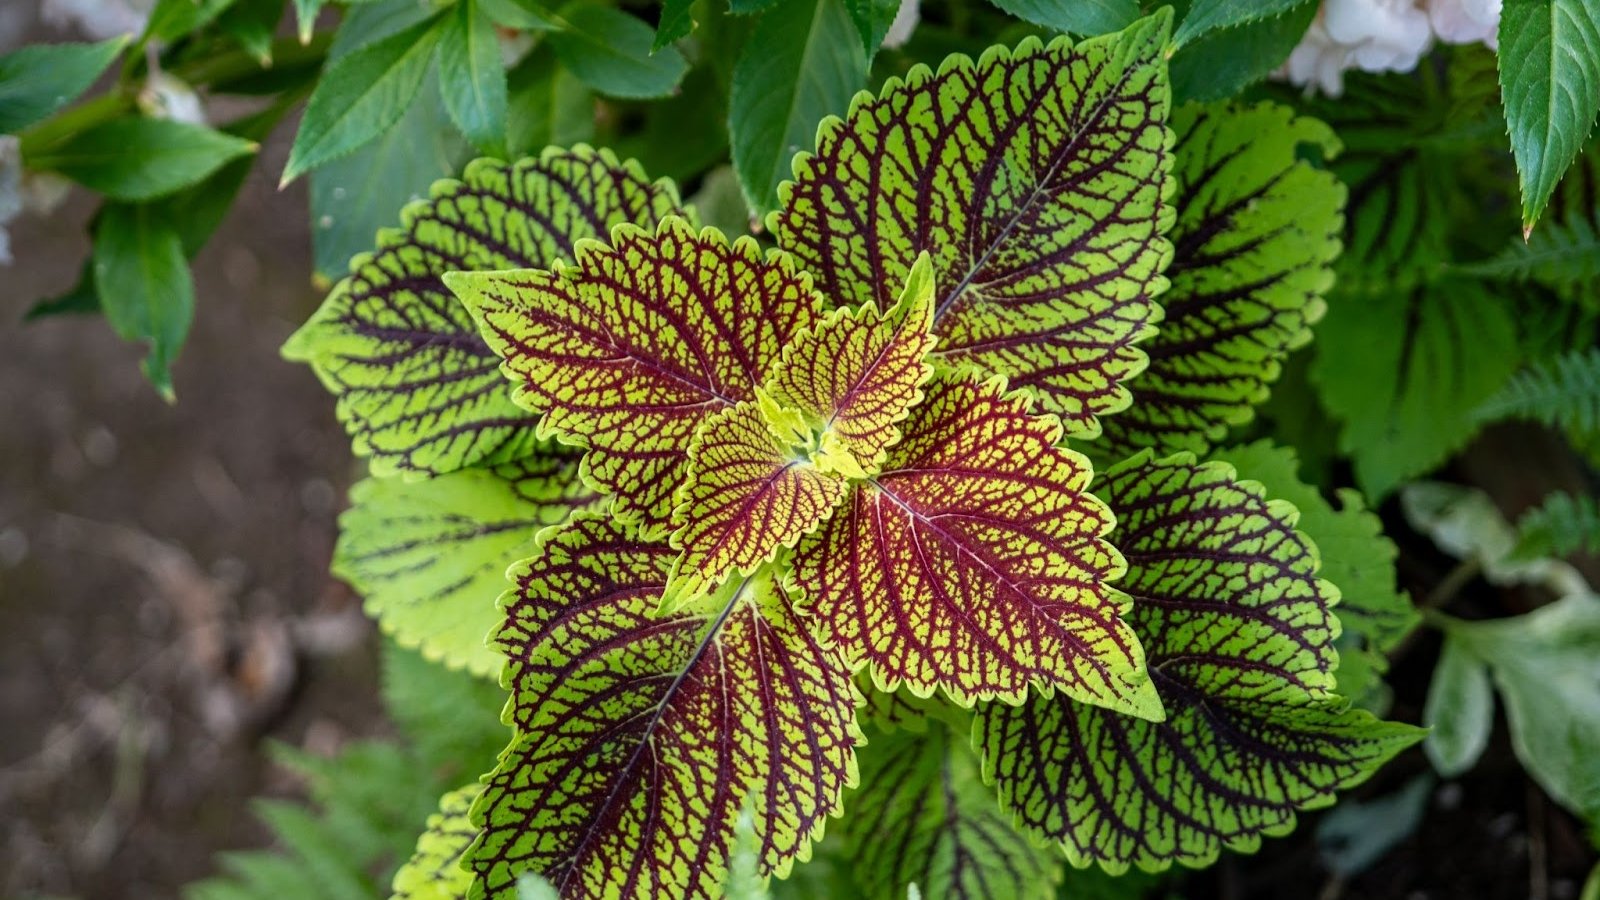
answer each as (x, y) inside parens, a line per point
(1240, 641)
(434, 871)
(976, 561)
(641, 739)
(417, 387)
(1035, 178)
(631, 348)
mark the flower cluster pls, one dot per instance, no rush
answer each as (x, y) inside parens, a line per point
(1383, 36)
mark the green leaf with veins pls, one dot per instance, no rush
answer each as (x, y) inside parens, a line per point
(1220, 64)
(430, 556)
(642, 738)
(1550, 82)
(433, 871)
(610, 51)
(1035, 178)
(1077, 17)
(419, 391)
(975, 562)
(136, 158)
(36, 81)
(1257, 232)
(144, 285)
(472, 77)
(923, 816)
(1211, 15)
(1239, 638)
(631, 348)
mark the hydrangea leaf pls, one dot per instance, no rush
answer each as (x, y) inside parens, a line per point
(417, 388)
(1036, 179)
(642, 739)
(857, 373)
(976, 561)
(1258, 229)
(923, 816)
(430, 556)
(746, 495)
(434, 871)
(629, 350)
(1240, 641)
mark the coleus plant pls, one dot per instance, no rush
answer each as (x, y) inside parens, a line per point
(772, 502)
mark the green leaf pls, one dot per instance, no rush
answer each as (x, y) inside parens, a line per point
(520, 15)
(641, 739)
(432, 872)
(1356, 558)
(1405, 372)
(802, 64)
(1222, 63)
(173, 19)
(975, 562)
(924, 817)
(79, 299)
(1550, 83)
(628, 351)
(136, 158)
(1211, 15)
(354, 196)
(611, 52)
(36, 81)
(1560, 526)
(1239, 639)
(1460, 711)
(419, 391)
(745, 495)
(145, 288)
(685, 134)
(549, 106)
(1564, 256)
(1035, 179)
(305, 14)
(676, 22)
(472, 78)
(1546, 666)
(361, 95)
(1352, 838)
(872, 19)
(855, 376)
(1257, 232)
(252, 23)
(430, 556)
(1562, 392)
(1085, 17)
(450, 717)
(720, 203)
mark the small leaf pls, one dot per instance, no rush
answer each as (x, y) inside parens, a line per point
(856, 374)
(1562, 525)
(432, 872)
(419, 391)
(1085, 17)
(472, 78)
(642, 739)
(744, 496)
(305, 14)
(1210, 15)
(611, 51)
(924, 817)
(629, 350)
(802, 64)
(872, 19)
(1550, 82)
(173, 19)
(361, 95)
(430, 556)
(1240, 643)
(1562, 392)
(1352, 838)
(252, 23)
(1257, 232)
(676, 22)
(1459, 711)
(36, 81)
(136, 158)
(1220, 64)
(974, 562)
(1045, 226)
(144, 284)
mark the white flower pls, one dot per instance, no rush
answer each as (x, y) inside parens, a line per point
(905, 22)
(1371, 35)
(166, 97)
(1466, 21)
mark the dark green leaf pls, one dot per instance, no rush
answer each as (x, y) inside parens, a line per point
(611, 51)
(1222, 63)
(522, 15)
(306, 17)
(473, 79)
(79, 299)
(252, 23)
(676, 22)
(136, 158)
(803, 63)
(37, 81)
(549, 106)
(1210, 15)
(361, 96)
(750, 7)
(173, 19)
(1550, 82)
(872, 18)
(1084, 17)
(145, 287)
(683, 135)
